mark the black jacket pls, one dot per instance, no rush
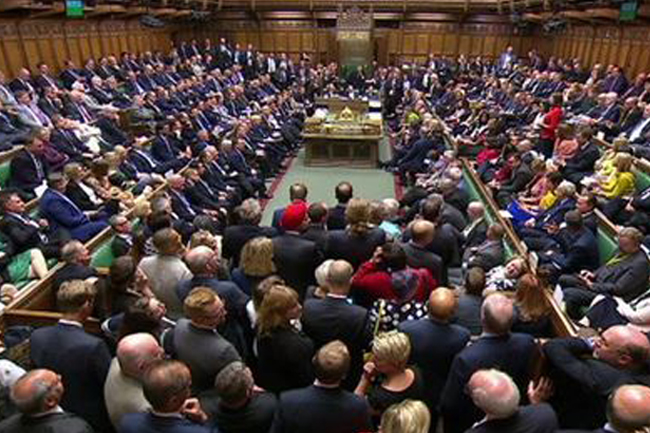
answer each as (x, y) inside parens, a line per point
(296, 260)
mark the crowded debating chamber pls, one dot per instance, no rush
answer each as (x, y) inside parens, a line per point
(229, 216)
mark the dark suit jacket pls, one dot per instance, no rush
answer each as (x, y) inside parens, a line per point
(150, 423)
(235, 237)
(626, 279)
(419, 257)
(321, 410)
(343, 245)
(278, 372)
(488, 255)
(24, 236)
(582, 162)
(65, 214)
(336, 217)
(579, 250)
(433, 348)
(24, 174)
(583, 383)
(79, 197)
(476, 235)
(52, 423)
(296, 260)
(318, 234)
(70, 272)
(111, 132)
(330, 319)
(83, 361)
(538, 418)
(510, 353)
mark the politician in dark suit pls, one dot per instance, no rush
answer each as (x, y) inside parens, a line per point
(297, 192)
(582, 163)
(336, 318)
(625, 275)
(61, 212)
(512, 353)
(28, 168)
(585, 372)
(434, 344)
(323, 407)
(249, 215)
(166, 385)
(417, 254)
(296, 258)
(336, 214)
(82, 359)
(39, 409)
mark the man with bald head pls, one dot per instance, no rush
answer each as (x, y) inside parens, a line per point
(497, 395)
(335, 318)
(435, 342)
(497, 347)
(419, 256)
(586, 371)
(37, 395)
(475, 232)
(123, 387)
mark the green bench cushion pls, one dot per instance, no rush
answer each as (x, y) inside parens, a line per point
(103, 257)
(607, 246)
(5, 173)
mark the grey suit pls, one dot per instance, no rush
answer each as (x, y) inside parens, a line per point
(203, 350)
(487, 255)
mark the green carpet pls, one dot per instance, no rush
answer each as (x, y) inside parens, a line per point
(369, 183)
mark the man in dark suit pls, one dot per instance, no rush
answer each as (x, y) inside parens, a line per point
(249, 215)
(122, 239)
(28, 168)
(11, 131)
(49, 103)
(336, 217)
(297, 192)
(108, 123)
(26, 232)
(495, 393)
(582, 163)
(521, 175)
(512, 353)
(23, 82)
(490, 253)
(417, 254)
(316, 231)
(80, 358)
(324, 406)
(44, 79)
(39, 410)
(76, 259)
(335, 318)
(625, 275)
(586, 371)
(61, 212)
(167, 386)
(434, 344)
(65, 140)
(296, 258)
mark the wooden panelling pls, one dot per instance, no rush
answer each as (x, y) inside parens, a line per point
(622, 45)
(29, 42)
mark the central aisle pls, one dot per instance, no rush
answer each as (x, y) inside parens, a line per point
(369, 183)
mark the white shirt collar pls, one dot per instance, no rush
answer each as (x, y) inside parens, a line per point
(70, 322)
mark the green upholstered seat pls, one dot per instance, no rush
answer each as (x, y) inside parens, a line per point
(607, 246)
(5, 173)
(103, 257)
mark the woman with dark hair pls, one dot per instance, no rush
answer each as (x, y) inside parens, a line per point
(387, 276)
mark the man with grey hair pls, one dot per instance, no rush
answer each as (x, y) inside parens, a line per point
(475, 232)
(236, 404)
(77, 258)
(497, 395)
(123, 387)
(497, 347)
(249, 215)
(335, 318)
(37, 395)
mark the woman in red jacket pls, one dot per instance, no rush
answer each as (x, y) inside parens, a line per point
(550, 124)
(386, 276)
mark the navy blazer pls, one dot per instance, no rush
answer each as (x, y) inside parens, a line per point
(62, 213)
(151, 423)
(511, 353)
(83, 361)
(433, 348)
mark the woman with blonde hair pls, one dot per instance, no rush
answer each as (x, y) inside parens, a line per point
(390, 355)
(284, 353)
(621, 183)
(357, 243)
(532, 310)
(255, 264)
(409, 416)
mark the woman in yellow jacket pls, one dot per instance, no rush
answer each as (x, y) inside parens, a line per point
(621, 182)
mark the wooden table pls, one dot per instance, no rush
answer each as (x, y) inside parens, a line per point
(328, 150)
